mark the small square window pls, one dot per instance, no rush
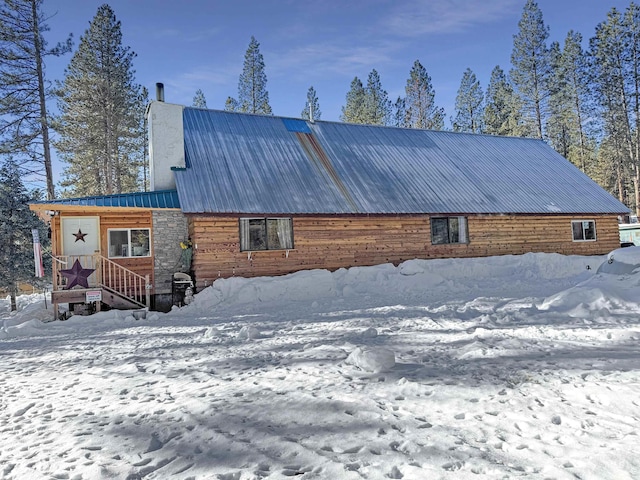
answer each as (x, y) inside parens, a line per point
(445, 230)
(583, 230)
(129, 243)
(266, 234)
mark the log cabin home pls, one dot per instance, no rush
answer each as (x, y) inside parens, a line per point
(265, 195)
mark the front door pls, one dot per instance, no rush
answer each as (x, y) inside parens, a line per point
(80, 235)
(80, 240)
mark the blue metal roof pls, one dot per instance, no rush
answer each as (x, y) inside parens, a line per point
(158, 199)
(241, 163)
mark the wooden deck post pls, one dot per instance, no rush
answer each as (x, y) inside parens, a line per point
(147, 291)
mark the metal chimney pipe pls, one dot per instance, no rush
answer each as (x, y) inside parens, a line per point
(160, 92)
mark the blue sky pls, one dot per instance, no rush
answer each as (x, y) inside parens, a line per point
(193, 44)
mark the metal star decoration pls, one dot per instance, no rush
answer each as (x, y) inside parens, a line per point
(77, 275)
(80, 236)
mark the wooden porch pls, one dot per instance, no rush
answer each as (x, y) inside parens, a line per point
(114, 284)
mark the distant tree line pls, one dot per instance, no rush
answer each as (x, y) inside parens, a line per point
(585, 103)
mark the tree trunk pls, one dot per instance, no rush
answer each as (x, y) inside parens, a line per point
(44, 122)
(636, 187)
(14, 304)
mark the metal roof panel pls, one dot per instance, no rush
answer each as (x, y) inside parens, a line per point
(242, 163)
(158, 199)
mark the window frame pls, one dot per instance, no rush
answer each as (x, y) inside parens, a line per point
(463, 233)
(129, 245)
(584, 230)
(265, 221)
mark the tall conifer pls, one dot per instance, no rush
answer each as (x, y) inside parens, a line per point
(378, 107)
(501, 111)
(253, 96)
(16, 254)
(354, 111)
(420, 108)
(101, 124)
(469, 104)
(311, 109)
(24, 91)
(570, 106)
(615, 52)
(531, 68)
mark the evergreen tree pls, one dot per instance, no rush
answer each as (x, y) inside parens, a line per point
(101, 124)
(469, 104)
(198, 100)
(311, 107)
(501, 111)
(24, 127)
(569, 103)
(377, 105)
(252, 85)
(399, 113)
(421, 110)
(531, 68)
(354, 110)
(231, 104)
(16, 254)
(615, 52)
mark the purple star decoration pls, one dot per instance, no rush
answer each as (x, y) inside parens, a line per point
(77, 275)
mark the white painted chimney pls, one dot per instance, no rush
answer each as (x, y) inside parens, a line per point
(166, 143)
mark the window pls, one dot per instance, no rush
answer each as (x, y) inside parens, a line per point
(129, 243)
(266, 234)
(448, 230)
(583, 230)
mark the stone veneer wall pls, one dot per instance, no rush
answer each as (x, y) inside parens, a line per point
(169, 229)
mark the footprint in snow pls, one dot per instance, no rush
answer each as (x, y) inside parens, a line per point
(453, 466)
(395, 473)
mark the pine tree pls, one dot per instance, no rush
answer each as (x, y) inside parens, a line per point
(253, 96)
(354, 110)
(377, 106)
(501, 111)
(24, 127)
(399, 113)
(531, 69)
(469, 104)
(101, 124)
(198, 100)
(569, 103)
(420, 107)
(311, 109)
(16, 254)
(231, 105)
(615, 52)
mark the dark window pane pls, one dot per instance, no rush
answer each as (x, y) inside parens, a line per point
(439, 231)
(272, 234)
(279, 233)
(118, 243)
(589, 230)
(454, 230)
(257, 234)
(577, 231)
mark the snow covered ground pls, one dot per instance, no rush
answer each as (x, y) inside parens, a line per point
(503, 367)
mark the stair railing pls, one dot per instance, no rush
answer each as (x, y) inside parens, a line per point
(107, 274)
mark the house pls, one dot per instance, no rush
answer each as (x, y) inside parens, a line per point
(265, 195)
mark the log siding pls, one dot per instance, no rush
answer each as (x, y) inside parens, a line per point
(332, 242)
